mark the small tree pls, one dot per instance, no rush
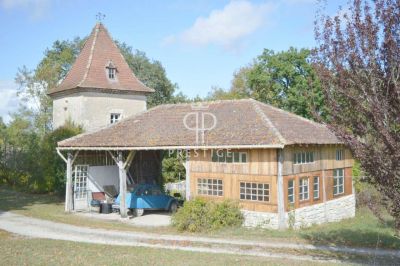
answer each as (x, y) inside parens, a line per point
(358, 63)
(52, 165)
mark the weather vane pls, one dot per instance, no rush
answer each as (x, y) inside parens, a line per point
(100, 17)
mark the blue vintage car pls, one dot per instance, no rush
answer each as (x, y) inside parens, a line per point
(147, 197)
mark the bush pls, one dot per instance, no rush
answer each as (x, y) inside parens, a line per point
(200, 215)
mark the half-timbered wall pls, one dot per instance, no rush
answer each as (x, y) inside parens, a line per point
(324, 158)
(260, 168)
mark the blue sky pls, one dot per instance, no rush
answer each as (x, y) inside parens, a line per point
(200, 43)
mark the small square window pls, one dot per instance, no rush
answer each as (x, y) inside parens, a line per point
(114, 118)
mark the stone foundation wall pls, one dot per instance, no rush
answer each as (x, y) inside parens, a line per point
(330, 211)
(260, 219)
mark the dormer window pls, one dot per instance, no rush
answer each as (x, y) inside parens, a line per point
(111, 70)
(111, 73)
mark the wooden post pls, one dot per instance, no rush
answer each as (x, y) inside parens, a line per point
(281, 198)
(68, 188)
(187, 180)
(122, 186)
(322, 165)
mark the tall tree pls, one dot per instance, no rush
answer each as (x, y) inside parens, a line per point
(287, 80)
(151, 73)
(284, 79)
(358, 63)
(34, 85)
(58, 60)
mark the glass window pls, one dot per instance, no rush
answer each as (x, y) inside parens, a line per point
(243, 157)
(236, 157)
(254, 191)
(229, 156)
(338, 181)
(303, 157)
(111, 73)
(210, 187)
(291, 197)
(339, 155)
(81, 176)
(214, 156)
(114, 118)
(303, 188)
(316, 187)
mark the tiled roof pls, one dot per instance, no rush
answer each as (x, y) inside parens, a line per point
(89, 70)
(239, 123)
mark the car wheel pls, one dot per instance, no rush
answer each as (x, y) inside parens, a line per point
(173, 207)
(138, 212)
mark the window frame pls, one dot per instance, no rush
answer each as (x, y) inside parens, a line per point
(249, 191)
(114, 120)
(336, 181)
(339, 154)
(303, 157)
(81, 179)
(210, 187)
(224, 158)
(316, 178)
(111, 72)
(302, 186)
(293, 188)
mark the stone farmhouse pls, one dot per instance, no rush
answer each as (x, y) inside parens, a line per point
(276, 164)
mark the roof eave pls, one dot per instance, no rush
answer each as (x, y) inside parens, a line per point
(89, 89)
(205, 147)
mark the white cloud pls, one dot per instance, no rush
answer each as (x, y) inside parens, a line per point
(225, 27)
(9, 100)
(36, 8)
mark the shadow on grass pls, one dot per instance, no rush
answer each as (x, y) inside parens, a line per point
(11, 200)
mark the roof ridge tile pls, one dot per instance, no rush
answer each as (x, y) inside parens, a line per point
(89, 63)
(267, 121)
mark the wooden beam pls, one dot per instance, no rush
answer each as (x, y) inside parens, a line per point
(187, 179)
(281, 198)
(68, 188)
(61, 155)
(75, 156)
(122, 186)
(113, 157)
(129, 159)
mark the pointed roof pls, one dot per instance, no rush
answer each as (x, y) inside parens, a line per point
(89, 72)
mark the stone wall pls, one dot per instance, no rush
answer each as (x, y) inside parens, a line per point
(260, 219)
(330, 211)
(92, 110)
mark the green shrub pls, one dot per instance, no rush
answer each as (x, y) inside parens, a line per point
(201, 215)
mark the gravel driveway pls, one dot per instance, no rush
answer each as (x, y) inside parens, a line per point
(32, 227)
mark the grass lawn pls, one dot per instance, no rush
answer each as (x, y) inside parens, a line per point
(363, 231)
(24, 251)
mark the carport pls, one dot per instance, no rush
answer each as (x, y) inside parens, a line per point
(91, 170)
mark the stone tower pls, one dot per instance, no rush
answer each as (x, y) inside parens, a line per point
(100, 89)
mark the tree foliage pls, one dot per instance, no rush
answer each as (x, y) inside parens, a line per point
(34, 85)
(287, 80)
(29, 158)
(151, 73)
(284, 79)
(53, 166)
(357, 61)
(172, 167)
